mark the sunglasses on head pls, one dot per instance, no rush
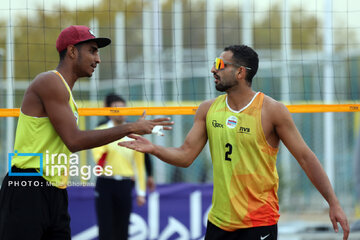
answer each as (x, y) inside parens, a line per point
(220, 64)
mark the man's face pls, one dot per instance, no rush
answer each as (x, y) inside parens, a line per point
(118, 119)
(88, 59)
(225, 78)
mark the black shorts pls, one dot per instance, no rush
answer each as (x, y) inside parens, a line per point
(254, 233)
(32, 209)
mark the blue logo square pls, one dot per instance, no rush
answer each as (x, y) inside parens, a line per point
(10, 156)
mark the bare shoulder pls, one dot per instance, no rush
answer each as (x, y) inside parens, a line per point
(48, 84)
(203, 109)
(272, 104)
(44, 87)
(47, 80)
(275, 110)
(206, 104)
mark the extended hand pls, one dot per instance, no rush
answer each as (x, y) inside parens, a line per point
(139, 144)
(143, 126)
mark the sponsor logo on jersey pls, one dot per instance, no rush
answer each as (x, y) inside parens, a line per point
(244, 130)
(216, 124)
(231, 122)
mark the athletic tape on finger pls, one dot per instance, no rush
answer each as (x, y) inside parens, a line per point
(157, 130)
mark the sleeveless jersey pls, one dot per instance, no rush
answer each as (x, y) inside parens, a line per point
(37, 135)
(244, 167)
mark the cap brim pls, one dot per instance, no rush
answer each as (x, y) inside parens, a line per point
(101, 42)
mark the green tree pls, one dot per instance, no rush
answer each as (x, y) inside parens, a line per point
(35, 35)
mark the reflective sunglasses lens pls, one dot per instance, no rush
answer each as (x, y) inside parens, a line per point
(219, 64)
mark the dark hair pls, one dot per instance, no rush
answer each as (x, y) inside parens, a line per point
(247, 57)
(62, 54)
(109, 99)
(112, 97)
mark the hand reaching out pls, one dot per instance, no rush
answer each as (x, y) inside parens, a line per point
(139, 144)
(143, 126)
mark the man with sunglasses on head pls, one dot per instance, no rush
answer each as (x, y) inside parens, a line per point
(244, 129)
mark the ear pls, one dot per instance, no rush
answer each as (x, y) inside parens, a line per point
(72, 51)
(240, 73)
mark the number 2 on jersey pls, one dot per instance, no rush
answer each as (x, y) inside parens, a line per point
(228, 152)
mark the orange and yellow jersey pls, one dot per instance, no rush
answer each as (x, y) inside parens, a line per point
(244, 166)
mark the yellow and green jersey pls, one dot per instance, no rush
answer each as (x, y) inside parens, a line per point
(244, 166)
(37, 135)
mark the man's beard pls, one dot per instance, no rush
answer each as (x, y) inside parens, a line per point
(222, 88)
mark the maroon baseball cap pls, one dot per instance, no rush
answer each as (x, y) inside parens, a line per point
(78, 34)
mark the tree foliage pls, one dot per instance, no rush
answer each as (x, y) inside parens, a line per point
(36, 33)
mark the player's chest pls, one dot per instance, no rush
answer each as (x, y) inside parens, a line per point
(234, 125)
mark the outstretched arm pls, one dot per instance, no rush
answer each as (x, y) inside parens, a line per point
(290, 136)
(184, 155)
(48, 97)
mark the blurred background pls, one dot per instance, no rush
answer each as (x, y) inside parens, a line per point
(161, 55)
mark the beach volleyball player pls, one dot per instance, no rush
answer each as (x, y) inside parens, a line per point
(244, 129)
(48, 124)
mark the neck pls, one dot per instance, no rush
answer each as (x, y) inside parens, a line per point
(240, 98)
(68, 74)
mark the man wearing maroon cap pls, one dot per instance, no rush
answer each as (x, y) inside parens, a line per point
(78, 34)
(33, 198)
